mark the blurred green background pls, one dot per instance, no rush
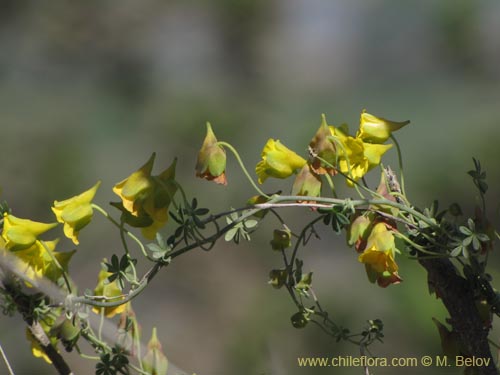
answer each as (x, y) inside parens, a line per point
(88, 90)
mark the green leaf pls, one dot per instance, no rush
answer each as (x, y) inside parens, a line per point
(230, 234)
(154, 248)
(483, 237)
(475, 243)
(456, 251)
(483, 186)
(251, 223)
(465, 230)
(466, 241)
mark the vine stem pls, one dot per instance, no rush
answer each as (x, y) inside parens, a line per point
(243, 168)
(130, 234)
(149, 275)
(275, 201)
(278, 202)
(400, 161)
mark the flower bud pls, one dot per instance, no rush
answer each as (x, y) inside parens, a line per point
(211, 162)
(282, 238)
(307, 183)
(322, 147)
(154, 361)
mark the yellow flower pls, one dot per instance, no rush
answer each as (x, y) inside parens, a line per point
(379, 256)
(381, 238)
(146, 198)
(374, 152)
(164, 188)
(355, 157)
(136, 187)
(157, 203)
(351, 159)
(37, 263)
(108, 290)
(21, 234)
(154, 361)
(76, 212)
(374, 129)
(277, 161)
(211, 162)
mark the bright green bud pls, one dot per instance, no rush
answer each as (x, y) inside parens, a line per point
(75, 213)
(282, 238)
(374, 129)
(211, 162)
(278, 161)
(154, 361)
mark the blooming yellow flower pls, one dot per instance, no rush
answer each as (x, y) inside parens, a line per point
(351, 158)
(158, 202)
(211, 162)
(277, 161)
(154, 361)
(108, 290)
(146, 198)
(374, 129)
(136, 187)
(164, 188)
(354, 156)
(378, 256)
(374, 152)
(76, 212)
(21, 234)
